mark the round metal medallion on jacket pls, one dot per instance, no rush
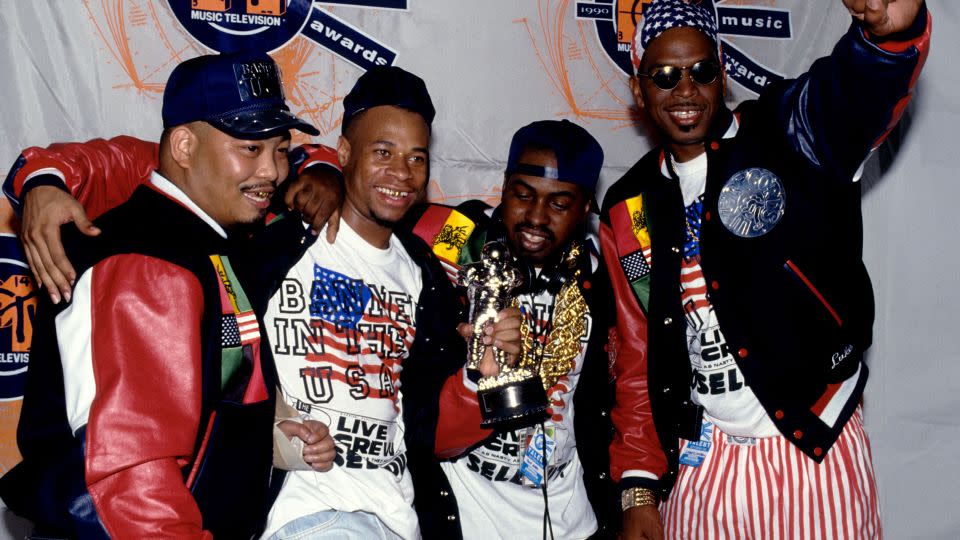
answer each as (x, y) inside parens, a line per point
(752, 202)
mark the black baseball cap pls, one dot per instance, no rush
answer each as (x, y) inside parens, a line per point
(238, 93)
(388, 85)
(579, 155)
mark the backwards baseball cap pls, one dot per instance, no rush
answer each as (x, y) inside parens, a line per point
(579, 156)
(388, 85)
(662, 15)
(238, 93)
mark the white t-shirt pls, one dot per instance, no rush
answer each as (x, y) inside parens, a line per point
(718, 383)
(340, 327)
(491, 497)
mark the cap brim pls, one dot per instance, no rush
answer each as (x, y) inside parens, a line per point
(261, 124)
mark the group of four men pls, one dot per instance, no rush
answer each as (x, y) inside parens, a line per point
(709, 396)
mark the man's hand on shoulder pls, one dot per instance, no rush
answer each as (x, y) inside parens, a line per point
(884, 17)
(642, 523)
(45, 209)
(317, 193)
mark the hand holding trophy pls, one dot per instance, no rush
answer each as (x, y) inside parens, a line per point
(515, 395)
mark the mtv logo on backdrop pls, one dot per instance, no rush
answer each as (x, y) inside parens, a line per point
(232, 25)
(268, 25)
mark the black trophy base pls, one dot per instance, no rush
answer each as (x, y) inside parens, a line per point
(513, 406)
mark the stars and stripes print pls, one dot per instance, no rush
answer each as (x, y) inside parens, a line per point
(452, 270)
(239, 329)
(768, 488)
(635, 265)
(663, 15)
(693, 291)
(248, 328)
(691, 241)
(230, 330)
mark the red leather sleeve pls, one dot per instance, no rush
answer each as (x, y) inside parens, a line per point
(99, 173)
(458, 426)
(636, 446)
(145, 325)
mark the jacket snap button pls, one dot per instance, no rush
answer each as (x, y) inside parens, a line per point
(451, 518)
(602, 476)
(742, 353)
(778, 415)
(444, 493)
(667, 321)
(714, 285)
(714, 145)
(675, 249)
(706, 216)
(586, 285)
(818, 451)
(603, 413)
(798, 434)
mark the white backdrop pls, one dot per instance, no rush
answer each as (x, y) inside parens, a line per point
(77, 69)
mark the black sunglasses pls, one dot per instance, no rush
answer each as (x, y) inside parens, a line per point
(703, 73)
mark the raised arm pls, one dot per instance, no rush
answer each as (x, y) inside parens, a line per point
(71, 183)
(837, 112)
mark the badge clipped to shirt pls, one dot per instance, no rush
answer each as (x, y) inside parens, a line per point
(538, 440)
(694, 452)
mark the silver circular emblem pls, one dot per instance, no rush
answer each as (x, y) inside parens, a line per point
(751, 202)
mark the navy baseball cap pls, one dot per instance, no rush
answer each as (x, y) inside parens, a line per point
(388, 85)
(238, 93)
(579, 155)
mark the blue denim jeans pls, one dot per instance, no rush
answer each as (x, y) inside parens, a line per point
(335, 524)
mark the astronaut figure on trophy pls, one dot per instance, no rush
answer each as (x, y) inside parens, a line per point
(514, 396)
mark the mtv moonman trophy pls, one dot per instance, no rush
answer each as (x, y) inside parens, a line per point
(515, 396)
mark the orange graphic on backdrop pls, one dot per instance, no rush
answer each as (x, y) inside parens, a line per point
(267, 7)
(9, 416)
(211, 5)
(124, 26)
(18, 305)
(628, 16)
(605, 97)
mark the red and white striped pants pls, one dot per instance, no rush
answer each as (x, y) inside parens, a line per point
(772, 490)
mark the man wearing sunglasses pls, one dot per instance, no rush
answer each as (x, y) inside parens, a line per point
(744, 305)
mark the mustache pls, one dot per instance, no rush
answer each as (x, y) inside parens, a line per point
(527, 227)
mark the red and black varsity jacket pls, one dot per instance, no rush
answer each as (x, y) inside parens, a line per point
(791, 294)
(170, 443)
